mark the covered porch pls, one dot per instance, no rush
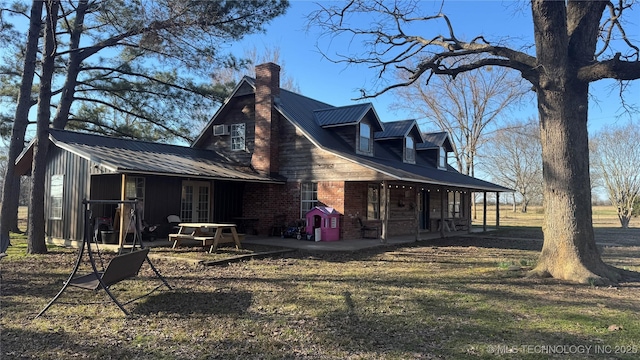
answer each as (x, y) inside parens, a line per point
(423, 210)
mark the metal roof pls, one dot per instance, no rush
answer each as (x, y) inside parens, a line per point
(316, 118)
(400, 129)
(300, 110)
(435, 140)
(343, 115)
(133, 156)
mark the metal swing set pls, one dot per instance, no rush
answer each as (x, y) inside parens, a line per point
(125, 265)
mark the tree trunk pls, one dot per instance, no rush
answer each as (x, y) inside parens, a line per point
(569, 251)
(10, 197)
(73, 68)
(13, 205)
(36, 241)
(624, 220)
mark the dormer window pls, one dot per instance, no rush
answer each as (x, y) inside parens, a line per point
(409, 150)
(365, 145)
(442, 159)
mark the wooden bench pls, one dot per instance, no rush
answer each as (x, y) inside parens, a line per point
(207, 238)
(460, 224)
(195, 234)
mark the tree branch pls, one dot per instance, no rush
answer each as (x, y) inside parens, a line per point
(393, 45)
(151, 120)
(610, 69)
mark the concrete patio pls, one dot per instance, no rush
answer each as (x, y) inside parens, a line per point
(291, 243)
(351, 244)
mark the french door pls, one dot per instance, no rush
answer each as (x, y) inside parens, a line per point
(195, 203)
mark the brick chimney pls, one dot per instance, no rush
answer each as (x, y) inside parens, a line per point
(265, 152)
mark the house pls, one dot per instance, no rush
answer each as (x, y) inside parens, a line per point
(268, 154)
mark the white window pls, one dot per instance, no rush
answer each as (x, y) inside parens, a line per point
(373, 202)
(442, 160)
(308, 198)
(237, 137)
(365, 144)
(409, 150)
(55, 194)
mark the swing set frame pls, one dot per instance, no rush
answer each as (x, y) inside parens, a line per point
(125, 265)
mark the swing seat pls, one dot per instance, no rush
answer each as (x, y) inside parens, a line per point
(121, 267)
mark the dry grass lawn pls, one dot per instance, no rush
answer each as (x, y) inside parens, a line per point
(455, 298)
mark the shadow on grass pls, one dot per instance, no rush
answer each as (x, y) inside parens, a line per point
(14, 339)
(190, 303)
(62, 345)
(444, 327)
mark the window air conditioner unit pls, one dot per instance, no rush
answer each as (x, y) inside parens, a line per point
(219, 130)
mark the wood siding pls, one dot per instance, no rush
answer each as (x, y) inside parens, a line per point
(240, 110)
(301, 160)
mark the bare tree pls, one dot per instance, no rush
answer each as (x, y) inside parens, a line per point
(255, 57)
(616, 158)
(514, 159)
(466, 107)
(568, 57)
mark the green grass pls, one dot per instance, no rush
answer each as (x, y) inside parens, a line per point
(603, 216)
(454, 299)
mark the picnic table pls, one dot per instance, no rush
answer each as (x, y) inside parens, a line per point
(208, 233)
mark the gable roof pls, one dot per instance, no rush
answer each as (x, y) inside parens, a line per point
(435, 140)
(399, 129)
(299, 110)
(134, 156)
(346, 115)
(315, 120)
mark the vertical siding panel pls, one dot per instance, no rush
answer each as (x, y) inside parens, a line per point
(76, 188)
(68, 196)
(162, 198)
(76, 185)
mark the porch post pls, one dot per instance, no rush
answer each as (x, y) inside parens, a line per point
(497, 210)
(123, 186)
(385, 214)
(416, 212)
(469, 197)
(442, 205)
(474, 205)
(484, 211)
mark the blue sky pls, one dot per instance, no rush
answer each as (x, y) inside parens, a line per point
(337, 84)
